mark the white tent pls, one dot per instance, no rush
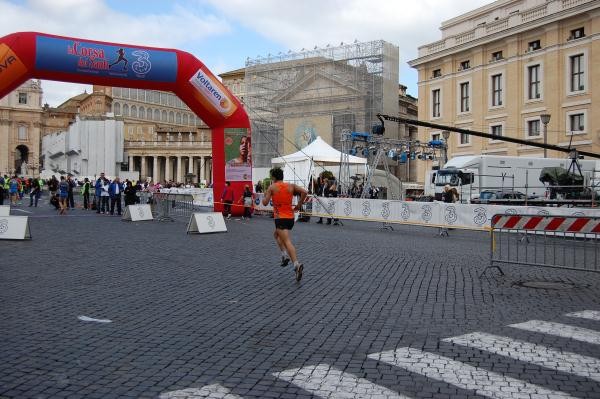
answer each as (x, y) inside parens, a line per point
(314, 159)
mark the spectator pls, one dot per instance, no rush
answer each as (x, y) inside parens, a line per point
(246, 199)
(114, 190)
(63, 194)
(85, 192)
(130, 194)
(70, 199)
(13, 190)
(98, 191)
(35, 192)
(227, 198)
(2, 182)
(104, 196)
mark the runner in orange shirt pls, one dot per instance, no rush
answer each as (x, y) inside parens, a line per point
(282, 194)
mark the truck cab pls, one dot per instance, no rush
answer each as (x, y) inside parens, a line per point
(461, 179)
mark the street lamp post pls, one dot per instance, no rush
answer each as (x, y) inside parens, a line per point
(545, 120)
(446, 135)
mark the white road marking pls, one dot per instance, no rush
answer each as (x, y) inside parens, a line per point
(328, 382)
(586, 314)
(560, 330)
(208, 391)
(20, 210)
(567, 362)
(482, 381)
(86, 318)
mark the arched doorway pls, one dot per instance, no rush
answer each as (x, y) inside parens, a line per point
(21, 160)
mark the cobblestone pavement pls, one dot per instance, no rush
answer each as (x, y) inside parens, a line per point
(378, 314)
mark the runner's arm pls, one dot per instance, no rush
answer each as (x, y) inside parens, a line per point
(303, 193)
(267, 197)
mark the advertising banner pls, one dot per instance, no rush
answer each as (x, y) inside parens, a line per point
(212, 93)
(74, 56)
(238, 155)
(435, 214)
(11, 67)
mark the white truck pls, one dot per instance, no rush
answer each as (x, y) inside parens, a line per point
(475, 173)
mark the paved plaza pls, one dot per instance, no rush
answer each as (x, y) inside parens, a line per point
(94, 307)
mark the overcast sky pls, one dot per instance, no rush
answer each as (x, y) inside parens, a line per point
(223, 33)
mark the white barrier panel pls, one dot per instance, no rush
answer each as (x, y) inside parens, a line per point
(137, 213)
(435, 214)
(209, 222)
(14, 228)
(4, 210)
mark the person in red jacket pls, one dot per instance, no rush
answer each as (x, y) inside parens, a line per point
(227, 199)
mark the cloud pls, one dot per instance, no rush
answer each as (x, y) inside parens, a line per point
(317, 22)
(304, 24)
(94, 20)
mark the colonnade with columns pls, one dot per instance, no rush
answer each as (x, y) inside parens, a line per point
(175, 168)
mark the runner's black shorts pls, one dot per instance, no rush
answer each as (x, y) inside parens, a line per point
(284, 224)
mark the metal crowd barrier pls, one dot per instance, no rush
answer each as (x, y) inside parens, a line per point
(169, 206)
(564, 242)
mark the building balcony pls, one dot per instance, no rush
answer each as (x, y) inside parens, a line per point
(495, 27)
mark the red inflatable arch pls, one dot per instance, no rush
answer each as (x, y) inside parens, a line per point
(27, 55)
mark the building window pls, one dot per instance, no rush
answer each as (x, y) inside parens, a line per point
(464, 97)
(496, 56)
(465, 139)
(533, 128)
(156, 115)
(435, 104)
(22, 98)
(577, 34)
(117, 109)
(171, 117)
(496, 130)
(142, 112)
(185, 119)
(437, 73)
(577, 72)
(134, 113)
(22, 133)
(116, 92)
(533, 82)
(496, 90)
(576, 123)
(534, 45)
(125, 110)
(164, 116)
(435, 137)
(178, 118)
(465, 65)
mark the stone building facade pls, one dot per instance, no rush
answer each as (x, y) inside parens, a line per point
(163, 139)
(499, 68)
(21, 125)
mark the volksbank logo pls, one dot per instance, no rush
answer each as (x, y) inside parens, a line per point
(212, 91)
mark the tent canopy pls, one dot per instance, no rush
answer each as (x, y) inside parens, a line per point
(317, 151)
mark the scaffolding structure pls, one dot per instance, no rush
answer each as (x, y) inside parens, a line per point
(380, 151)
(293, 97)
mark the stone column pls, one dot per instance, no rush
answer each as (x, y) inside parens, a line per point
(155, 175)
(167, 168)
(201, 176)
(131, 163)
(143, 172)
(179, 174)
(191, 164)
